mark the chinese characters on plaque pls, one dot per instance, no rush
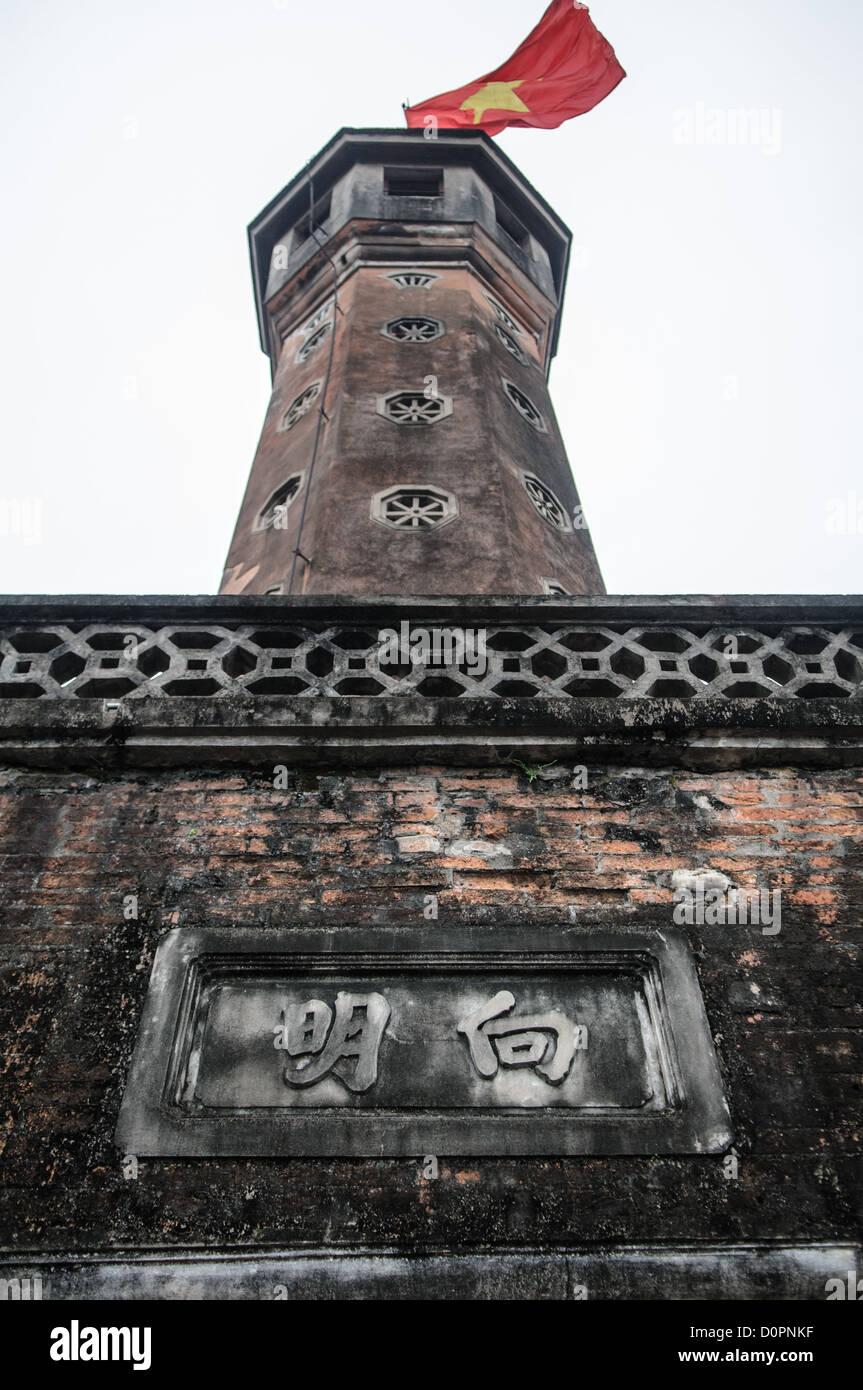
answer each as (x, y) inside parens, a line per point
(345, 1044)
(345, 1041)
(370, 1041)
(545, 1041)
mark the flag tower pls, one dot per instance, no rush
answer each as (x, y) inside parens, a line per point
(409, 295)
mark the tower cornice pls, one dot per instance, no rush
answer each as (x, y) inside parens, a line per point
(352, 147)
(362, 246)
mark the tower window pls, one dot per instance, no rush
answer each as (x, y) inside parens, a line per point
(414, 407)
(323, 314)
(313, 342)
(413, 183)
(412, 279)
(419, 507)
(550, 508)
(551, 586)
(300, 406)
(506, 319)
(525, 406)
(415, 329)
(510, 344)
(509, 223)
(274, 512)
(316, 217)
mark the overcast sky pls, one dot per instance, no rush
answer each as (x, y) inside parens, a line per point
(708, 377)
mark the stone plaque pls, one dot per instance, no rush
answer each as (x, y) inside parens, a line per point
(414, 1041)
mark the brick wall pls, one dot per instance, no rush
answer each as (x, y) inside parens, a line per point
(216, 849)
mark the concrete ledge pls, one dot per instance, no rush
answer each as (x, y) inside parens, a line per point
(749, 609)
(384, 730)
(751, 1272)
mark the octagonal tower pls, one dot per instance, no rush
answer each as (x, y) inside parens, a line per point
(409, 293)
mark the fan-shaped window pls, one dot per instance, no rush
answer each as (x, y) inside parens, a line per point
(551, 586)
(322, 315)
(300, 406)
(525, 406)
(274, 513)
(419, 507)
(313, 342)
(411, 279)
(506, 319)
(550, 508)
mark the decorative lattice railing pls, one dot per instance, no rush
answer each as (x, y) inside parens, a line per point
(297, 655)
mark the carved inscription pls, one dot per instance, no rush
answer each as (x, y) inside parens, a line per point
(346, 1044)
(370, 1041)
(546, 1041)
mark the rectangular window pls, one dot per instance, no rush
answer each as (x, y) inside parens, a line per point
(315, 217)
(413, 183)
(509, 223)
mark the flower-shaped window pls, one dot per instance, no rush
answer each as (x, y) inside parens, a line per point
(300, 406)
(414, 407)
(525, 406)
(275, 510)
(550, 508)
(415, 328)
(510, 344)
(419, 507)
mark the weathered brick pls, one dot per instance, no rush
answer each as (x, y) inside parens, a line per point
(336, 848)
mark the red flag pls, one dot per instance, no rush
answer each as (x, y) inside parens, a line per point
(563, 68)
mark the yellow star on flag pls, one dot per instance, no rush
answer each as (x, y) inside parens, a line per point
(494, 96)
